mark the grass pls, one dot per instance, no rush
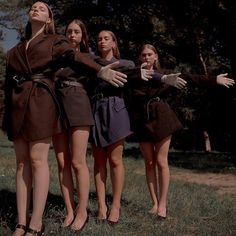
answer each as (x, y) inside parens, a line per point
(193, 209)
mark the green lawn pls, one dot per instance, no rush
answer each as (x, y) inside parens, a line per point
(192, 209)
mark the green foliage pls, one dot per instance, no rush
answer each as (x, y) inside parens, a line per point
(191, 37)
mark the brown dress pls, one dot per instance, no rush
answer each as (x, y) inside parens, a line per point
(31, 107)
(151, 117)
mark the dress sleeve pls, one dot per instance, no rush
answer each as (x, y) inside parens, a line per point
(65, 55)
(200, 79)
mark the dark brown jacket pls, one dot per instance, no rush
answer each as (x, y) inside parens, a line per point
(30, 104)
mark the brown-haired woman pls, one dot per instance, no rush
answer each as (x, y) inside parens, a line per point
(32, 113)
(111, 128)
(154, 122)
(71, 145)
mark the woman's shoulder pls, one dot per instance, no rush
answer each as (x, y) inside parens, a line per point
(126, 63)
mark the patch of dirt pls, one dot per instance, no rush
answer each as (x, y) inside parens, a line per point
(226, 183)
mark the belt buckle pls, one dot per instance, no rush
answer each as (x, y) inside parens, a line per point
(100, 95)
(17, 80)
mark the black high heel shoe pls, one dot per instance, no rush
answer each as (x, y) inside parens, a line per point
(21, 226)
(36, 232)
(113, 223)
(102, 220)
(160, 217)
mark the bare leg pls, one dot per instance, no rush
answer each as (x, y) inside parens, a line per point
(162, 149)
(117, 178)
(148, 152)
(23, 182)
(40, 171)
(62, 151)
(100, 176)
(79, 141)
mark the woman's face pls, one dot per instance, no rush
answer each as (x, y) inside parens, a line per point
(74, 33)
(105, 42)
(148, 56)
(39, 13)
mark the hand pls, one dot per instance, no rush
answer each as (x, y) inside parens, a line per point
(224, 81)
(174, 80)
(146, 74)
(113, 77)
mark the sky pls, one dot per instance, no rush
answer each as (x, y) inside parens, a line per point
(10, 39)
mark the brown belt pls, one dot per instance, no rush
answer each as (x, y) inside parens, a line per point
(72, 83)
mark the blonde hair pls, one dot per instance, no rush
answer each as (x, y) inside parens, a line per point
(115, 50)
(151, 47)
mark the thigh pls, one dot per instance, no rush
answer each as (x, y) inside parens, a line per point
(61, 142)
(79, 141)
(21, 147)
(39, 149)
(147, 150)
(162, 149)
(115, 150)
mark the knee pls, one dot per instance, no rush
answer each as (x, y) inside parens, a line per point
(39, 161)
(116, 163)
(63, 164)
(162, 164)
(78, 165)
(21, 165)
(150, 165)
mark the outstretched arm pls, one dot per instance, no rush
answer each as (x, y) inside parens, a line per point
(221, 79)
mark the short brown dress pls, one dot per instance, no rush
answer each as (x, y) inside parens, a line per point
(31, 105)
(151, 117)
(73, 97)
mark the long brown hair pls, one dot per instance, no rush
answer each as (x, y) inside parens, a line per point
(84, 47)
(49, 27)
(115, 50)
(151, 47)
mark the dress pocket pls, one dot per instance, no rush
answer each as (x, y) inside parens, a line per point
(119, 104)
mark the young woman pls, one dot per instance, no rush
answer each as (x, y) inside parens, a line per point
(111, 128)
(71, 145)
(32, 113)
(154, 122)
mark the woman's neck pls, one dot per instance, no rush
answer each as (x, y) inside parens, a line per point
(36, 30)
(107, 55)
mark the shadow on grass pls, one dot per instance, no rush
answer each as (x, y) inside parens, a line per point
(54, 208)
(8, 211)
(200, 161)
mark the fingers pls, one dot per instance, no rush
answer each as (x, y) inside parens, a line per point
(146, 74)
(181, 81)
(230, 81)
(223, 75)
(143, 65)
(116, 82)
(118, 79)
(177, 74)
(121, 75)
